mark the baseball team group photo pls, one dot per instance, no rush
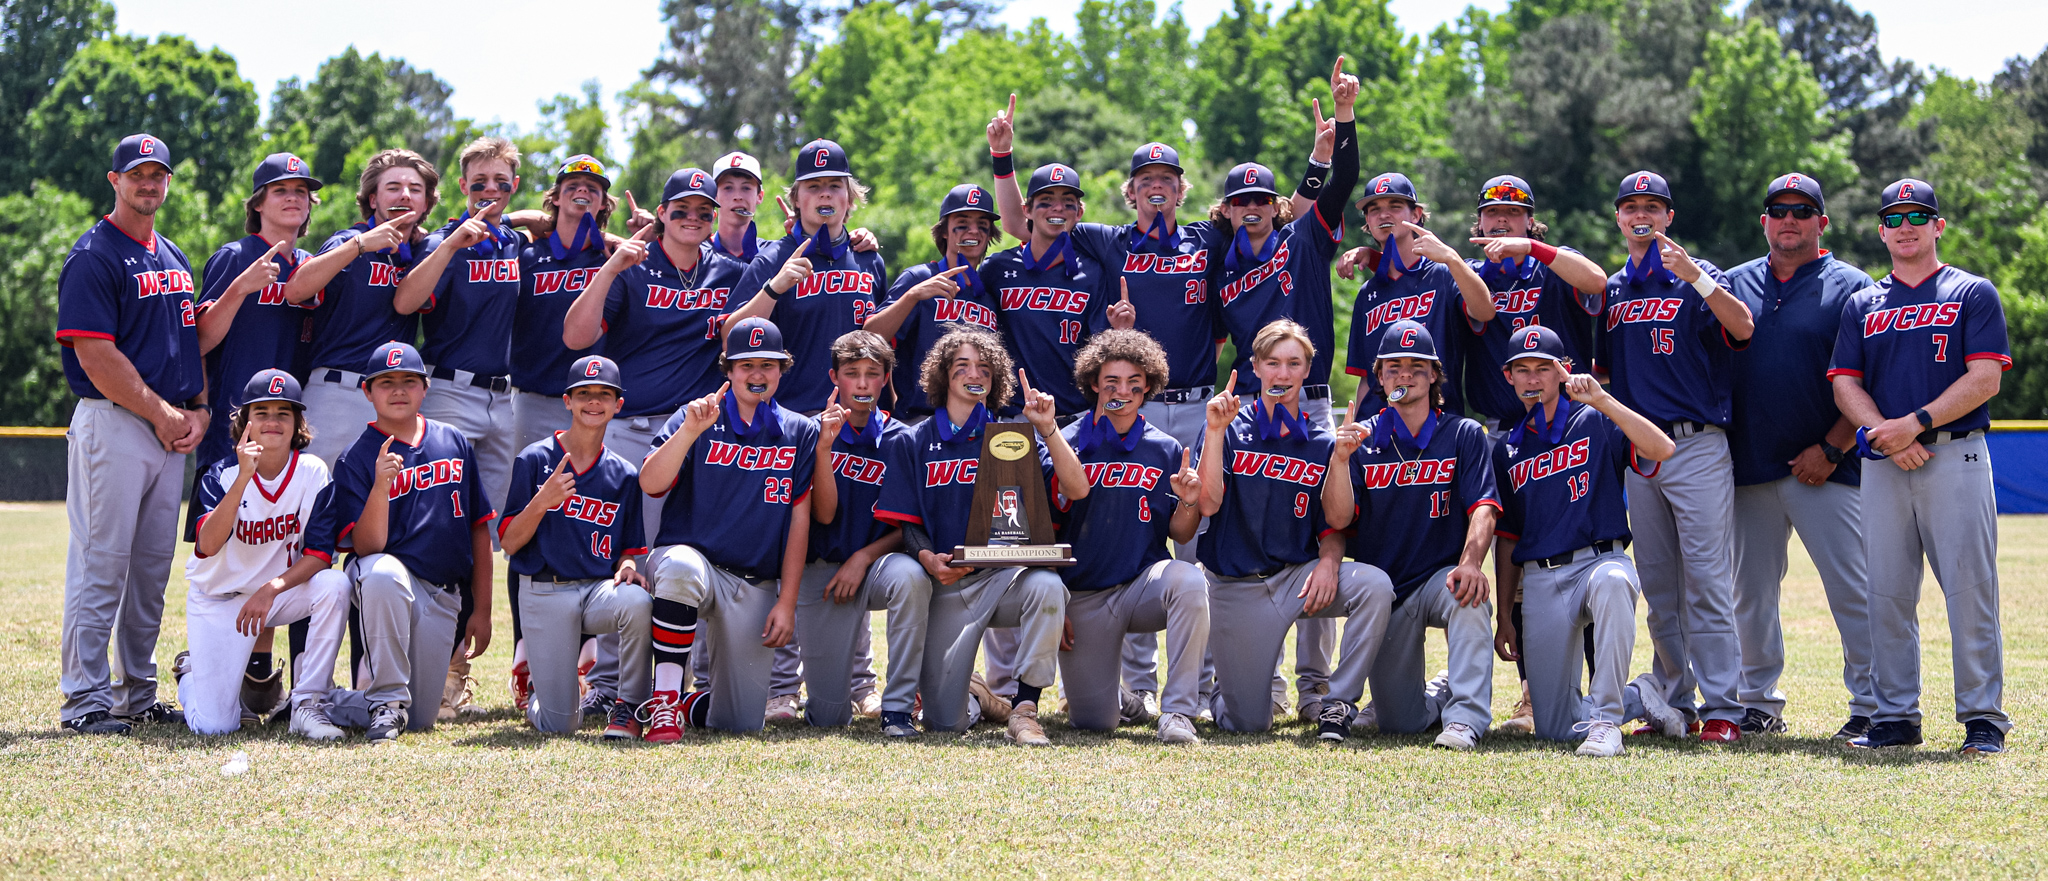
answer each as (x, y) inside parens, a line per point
(905, 439)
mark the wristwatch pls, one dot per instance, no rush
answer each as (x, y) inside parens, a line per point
(1926, 421)
(1834, 456)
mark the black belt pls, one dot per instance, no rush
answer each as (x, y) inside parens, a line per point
(1931, 437)
(1184, 395)
(1315, 392)
(336, 376)
(552, 578)
(1599, 547)
(500, 383)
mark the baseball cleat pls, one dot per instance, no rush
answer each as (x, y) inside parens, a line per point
(1756, 722)
(181, 665)
(155, 713)
(96, 722)
(1886, 735)
(458, 697)
(522, 686)
(623, 726)
(1132, 710)
(596, 705)
(898, 725)
(1175, 728)
(1024, 729)
(659, 712)
(1366, 719)
(868, 706)
(260, 697)
(994, 707)
(1335, 724)
(387, 721)
(782, 709)
(1720, 731)
(309, 720)
(1458, 736)
(1524, 719)
(1603, 739)
(1857, 726)
(1660, 716)
(1981, 737)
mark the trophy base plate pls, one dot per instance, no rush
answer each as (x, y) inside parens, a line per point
(996, 557)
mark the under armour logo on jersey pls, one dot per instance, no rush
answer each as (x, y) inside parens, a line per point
(1642, 182)
(276, 386)
(1969, 457)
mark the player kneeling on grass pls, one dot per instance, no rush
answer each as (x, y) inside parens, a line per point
(929, 492)
(848, 544)
(249, 571)
(406, 502)
(572, 526)
(1419, 484)
(1565, 525)
(1137, 489)
(735, 469)
(1270, 557)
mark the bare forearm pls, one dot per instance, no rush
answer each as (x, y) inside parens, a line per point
(314, 274)
(1478, 536)
(584, 322)
(114, 375)
(1211, 469)
(1339, 502)
(886, 322)
(520, 530)
(1650, 441)
(1579, 272)
(1187, 520)
(824, 487)
(1978, 384)
(480, 578)
(418, 285)
(1855, 401)
(218, 317)
(1842, 434)
(1066, 466)
(1733, 313)
(1478, 300)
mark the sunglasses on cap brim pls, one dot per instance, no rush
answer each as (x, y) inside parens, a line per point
(581, 166)
(1916, 218)
(1507, 193)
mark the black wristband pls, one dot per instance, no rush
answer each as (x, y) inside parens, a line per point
(1926, 420)
(1312, 179)
(1004, 164)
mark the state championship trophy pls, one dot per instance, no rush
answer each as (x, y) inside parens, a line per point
(1010, 524)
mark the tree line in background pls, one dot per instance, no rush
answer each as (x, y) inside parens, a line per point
(1570, 94)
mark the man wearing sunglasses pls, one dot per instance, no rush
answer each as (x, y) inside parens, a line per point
(1916, 362)
(1793, 454)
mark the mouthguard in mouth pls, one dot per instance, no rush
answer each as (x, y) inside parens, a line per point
(977, 389)
(758, 388)
(1056, 221)
(743, 212)
(580, 203)
(1113, 404)
(1250, 219)
(1641, 229)
(1532, 393)
(1157, 200)
(1279, 390)
(827, 211)
(969, 243)
(863, 399)
(1397, 395)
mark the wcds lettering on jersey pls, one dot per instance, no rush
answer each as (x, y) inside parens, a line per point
(1556, 461)
(859, 468)
(1400, 308)
(948, 471)
(1045, 300)
(562, 280)
(660, 297)
(493, 270)
(963, 310)
(1645, 309)
(1258, 276)
(1909, 317)
(162, 282)
(1276, 467)
(589, 510)
(748, 458)
(1419, 472)
(835, 281)
(1123, 474)
(426, 476)
(382, 275)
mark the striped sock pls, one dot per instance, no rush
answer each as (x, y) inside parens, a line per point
(675, 629)
(695, 708)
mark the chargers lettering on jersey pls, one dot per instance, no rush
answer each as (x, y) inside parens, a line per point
(836, 281)
(1123, 474)
(589, 510)
(1179, 264)
(1556, 461)
(659, 297)
(1646, 309)
(382, 275)
(963, 310)
(859, 469)
(163, 281)
(750, 458)
(493, 270)
(1274, 267)
(950, 471)
(427, 476)
(1909, 317)
(1276, 467)
(283, 527)
(571, 280)
(1398, 309)
(1517, 301)
(1421, 472)
(1045, 300)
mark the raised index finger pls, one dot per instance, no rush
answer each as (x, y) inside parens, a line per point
(631, 204)
(1337, 70)
(1231, 387)
(644, 234)
(1317, 103)
(387, 443)
(1026, 382)
(954, 271)
(1125, 283)
(1012, 112)
(1351, 410)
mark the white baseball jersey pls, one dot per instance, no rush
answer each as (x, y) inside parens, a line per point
(269, 525)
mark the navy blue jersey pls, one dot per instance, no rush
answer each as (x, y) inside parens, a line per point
(355, 315)
(1429, 295)
(1909, 344)
(661, 326)
(468, 319)
(1293, 284)
(547, 287)
(837, 297)
(1666, 352)
(859, 467)
(588, 533)
(1414, 507)
(920, 331)
(434, 502)
(1047, 314)
(1783, 400)
(1170, 290)
(1122, 527)
(1563, 490)
(267, 332)
(1272, 514)
(1524, 294)
(140, 296)
(732, 499)
(931, 481)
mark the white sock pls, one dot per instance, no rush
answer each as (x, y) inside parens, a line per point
(668, 676)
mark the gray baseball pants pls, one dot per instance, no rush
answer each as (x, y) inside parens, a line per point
(1034, 601)
(1945, 511)
(121, 498)
(838, 631)
(1169, 594)
(1398, 675)
(731, 613)
(408, 638)
(485, 418)
(1251, 618)
(1682, 519)
(556, 615)
(337, 412)
(1830, 524)
(1557, 604)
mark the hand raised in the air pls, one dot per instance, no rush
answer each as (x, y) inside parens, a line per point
(248, 451)
(699, 415)
(1350, 434)
(1038, 406)
(470, 231)
(794, 270)
(829, 421)
(558, 487)
(1326, 134)
(263, 272)
(630, 252)
(1584, 389)
(1343, 86)
(1187, 482)
(1002, 130)
(1426, 244)
(636, 216)
(388, 465)
(1123, 315)
(1224, 406)
(1677, 260)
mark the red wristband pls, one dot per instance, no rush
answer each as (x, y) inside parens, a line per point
(1542, 252)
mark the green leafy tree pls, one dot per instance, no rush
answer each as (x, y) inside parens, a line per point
(1138, 61)
(1988, 190)
(725, 73)
(37, 229)
(36, 39)
(1235, 82)
(356, 98)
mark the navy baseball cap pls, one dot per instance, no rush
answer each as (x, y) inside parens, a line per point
(1155, 153)
(1392, 183)
(1643, 183)
(821, 158)
(1535, 341)
(1053, 174)
(1803, 184)
(1249, 177)
(968, 197)
(1909, 192)
(754, 338)
(394, 357)
(583, 163)
(137, 149)
(690, 182)
(283, 166)
(1506, 189)
(594, 370)
(1407, 339)
(273, 385)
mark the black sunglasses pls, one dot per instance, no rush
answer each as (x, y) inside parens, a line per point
(1916, 218)
(1803, 212)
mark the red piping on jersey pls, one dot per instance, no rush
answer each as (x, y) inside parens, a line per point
(572, 459)
(1355, 371)
(1733, 343)
(151, 244)
(65, 336)
(486, 517)
(1483, 503)
(197, 526)
(1326, 531)
(1990, 356)
(419, 425)
(290, 467)
(1844, 371)
(801, 499)
(502, 526)
(311, 552)
(1510, 536)
(1635, 463)
(898, 518)
(634, 552)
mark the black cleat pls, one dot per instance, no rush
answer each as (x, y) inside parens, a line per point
(1981, 737)
(387, 721)
(1336, 721)
(899, 725)
(1857, 726)
(158, 712)
(96, 722)
(1755, 722)
(1885, 735)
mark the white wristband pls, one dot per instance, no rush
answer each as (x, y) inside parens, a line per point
(1705, 285)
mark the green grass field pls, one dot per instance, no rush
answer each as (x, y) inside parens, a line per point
(491, 798)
